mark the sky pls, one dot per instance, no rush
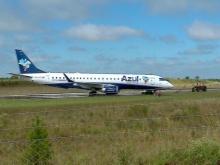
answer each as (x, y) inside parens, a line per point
(169, 38)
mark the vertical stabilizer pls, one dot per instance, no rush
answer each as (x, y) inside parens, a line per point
(25, 64)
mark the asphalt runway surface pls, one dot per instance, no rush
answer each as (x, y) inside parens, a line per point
(77, 95)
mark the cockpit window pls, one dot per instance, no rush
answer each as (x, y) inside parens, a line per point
(162, 79)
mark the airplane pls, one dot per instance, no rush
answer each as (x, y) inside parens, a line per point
(106, 83)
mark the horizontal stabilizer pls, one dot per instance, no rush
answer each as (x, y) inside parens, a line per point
(20, 75)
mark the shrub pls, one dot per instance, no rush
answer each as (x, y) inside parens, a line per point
(39, 151)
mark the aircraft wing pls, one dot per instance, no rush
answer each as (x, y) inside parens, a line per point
(20, 75)
(84, 84)
(89, 85)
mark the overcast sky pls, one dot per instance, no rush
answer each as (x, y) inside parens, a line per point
(165, 37)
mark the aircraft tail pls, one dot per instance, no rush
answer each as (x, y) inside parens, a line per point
(25, 64)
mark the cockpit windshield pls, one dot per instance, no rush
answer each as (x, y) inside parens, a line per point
(163, 79)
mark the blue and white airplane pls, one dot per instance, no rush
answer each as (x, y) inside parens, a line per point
(106, 83)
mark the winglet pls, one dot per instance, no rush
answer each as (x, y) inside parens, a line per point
(68, 79)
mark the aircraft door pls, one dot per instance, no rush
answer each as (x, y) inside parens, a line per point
(47, 77)
(152, 80)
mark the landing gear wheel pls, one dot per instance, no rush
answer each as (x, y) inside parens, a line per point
(92, 93)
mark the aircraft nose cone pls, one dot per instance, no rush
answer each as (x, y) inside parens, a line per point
(171, 85)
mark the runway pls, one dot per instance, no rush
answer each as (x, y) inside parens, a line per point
(46, 96)
(78, 95)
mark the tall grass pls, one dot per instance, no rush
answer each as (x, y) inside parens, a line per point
(198, 152)
(113, 129)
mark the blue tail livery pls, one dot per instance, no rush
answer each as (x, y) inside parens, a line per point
(25, 64)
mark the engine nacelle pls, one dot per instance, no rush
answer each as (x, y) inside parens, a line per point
(110, 89)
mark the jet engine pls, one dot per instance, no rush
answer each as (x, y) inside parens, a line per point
(110, 89)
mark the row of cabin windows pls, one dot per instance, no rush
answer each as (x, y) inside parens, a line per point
(39, 77)
(73, 78)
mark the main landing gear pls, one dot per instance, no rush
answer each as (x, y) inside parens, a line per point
(93, 92)
(147, 92)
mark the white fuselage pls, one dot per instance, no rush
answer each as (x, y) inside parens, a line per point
(88, 81)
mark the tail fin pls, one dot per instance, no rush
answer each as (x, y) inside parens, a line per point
(25, 64)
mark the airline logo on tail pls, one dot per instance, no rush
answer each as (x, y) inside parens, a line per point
(25, 63)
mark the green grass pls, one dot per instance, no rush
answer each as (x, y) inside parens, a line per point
(198, 152)
(114, 129)
(23, 105)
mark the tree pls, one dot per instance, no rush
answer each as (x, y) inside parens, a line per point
(187, 77)
(197, 78)
(39, 151)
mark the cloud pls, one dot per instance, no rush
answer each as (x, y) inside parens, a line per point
(169, 38)
(194, 51)
(134, 47)
(204, 31)
(3, 42)
(217, 60)
(49, 41)
(200, 49)
(104, 58)
(67, 9)
(23, 38)
(28, 15)
(166, 6)
(151, 65)
(91, 32)
(180, 6)
(77, 48)
(13, 20)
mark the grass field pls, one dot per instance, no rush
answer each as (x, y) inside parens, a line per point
(113, 129)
